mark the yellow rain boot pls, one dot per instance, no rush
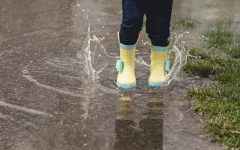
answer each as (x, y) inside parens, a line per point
(126, 67)
(160, 65)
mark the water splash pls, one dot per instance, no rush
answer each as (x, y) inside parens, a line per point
(94, 59)
(181, 55)
(91, 56)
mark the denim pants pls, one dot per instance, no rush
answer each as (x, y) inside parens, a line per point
(158, 14)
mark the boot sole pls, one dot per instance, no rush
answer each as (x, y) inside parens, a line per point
(126, 86)
(155, 84)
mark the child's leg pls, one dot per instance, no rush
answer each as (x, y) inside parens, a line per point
(158, 23)
(132, 21)
(158, 14)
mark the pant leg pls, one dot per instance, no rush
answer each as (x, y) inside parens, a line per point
(132, 21)
(158, 14)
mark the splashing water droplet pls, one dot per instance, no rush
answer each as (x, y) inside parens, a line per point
(92, 55)
(181, 56)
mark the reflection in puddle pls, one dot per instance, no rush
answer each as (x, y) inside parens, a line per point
(145, 134)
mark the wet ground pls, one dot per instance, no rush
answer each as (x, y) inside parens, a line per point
(51, 99)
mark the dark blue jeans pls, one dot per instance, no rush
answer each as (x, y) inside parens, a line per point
(158, 14)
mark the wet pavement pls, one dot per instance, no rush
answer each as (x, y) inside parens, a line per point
(51, 99)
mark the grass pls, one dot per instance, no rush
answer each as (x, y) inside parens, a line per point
(219, 36)
(222, 108)
(220, 103)
(185, 24)
(234, 51)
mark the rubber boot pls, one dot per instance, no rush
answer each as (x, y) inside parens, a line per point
(126, 67)
(159, 66)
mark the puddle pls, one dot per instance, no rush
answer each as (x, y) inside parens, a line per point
(58, 81)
